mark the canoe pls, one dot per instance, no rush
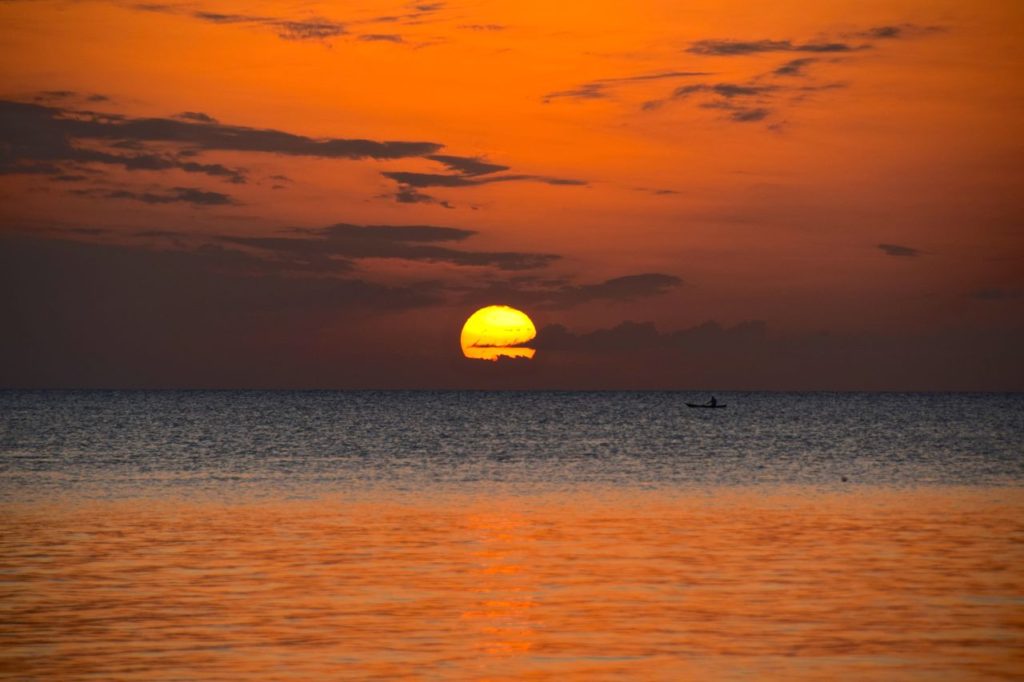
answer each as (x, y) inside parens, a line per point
(708, 406)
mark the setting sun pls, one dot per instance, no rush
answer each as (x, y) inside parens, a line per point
(497, 331)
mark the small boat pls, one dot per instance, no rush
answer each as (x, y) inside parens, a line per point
(705, 405)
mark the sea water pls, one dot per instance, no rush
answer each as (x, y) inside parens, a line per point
(474, 535)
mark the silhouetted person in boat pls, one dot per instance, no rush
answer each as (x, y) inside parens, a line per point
(713, 401)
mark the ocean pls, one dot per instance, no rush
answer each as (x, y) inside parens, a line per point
(508, 535)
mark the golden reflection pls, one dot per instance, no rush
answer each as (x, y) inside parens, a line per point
(891, 585)
(503, 601)
(497, 331)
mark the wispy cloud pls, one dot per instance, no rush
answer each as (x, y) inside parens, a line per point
(733, 48)
(897, 31)
(600, 88)
(44, 139)
(314, 28)
(328, 247)
(466, 171)
(175, 195)
(795, 67)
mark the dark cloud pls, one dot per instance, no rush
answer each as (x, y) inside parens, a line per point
(408, 179)
(175, 195)
(483, 27)
(197, 116)
(38, 139)
(743, 101)
(468, 165)
(731, 48)
(235, 175)
(316, 249)
(900, 251)
(469, 172)
(409, 195)
(102, 315)
(749, 115)
(776, 92)
(795, 67)
(598, 89)
(747, 357)
(34, 134)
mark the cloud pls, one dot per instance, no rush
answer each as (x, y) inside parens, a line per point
(93, 314)
(468, 165)
(469, 172)
(749, 115)
(585, 91)
(175, 195)
(482, 27)
(730, 97)
(441, 180)
(598, 89)
(311, 29)
(775, 92)
(897, 31)
(314, 28)
(746, 356)
(416, 16)
(795, 67)
(343, 243)
(409, 195)
(34, 135)
(381, 38)
(299, 29)
(196, 116)
(732, 48)
(899, 251)
(727, 90)
(657, 191)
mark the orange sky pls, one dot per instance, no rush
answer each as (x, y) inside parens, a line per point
(835, 185)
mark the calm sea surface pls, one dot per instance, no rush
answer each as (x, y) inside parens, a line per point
(470, 535)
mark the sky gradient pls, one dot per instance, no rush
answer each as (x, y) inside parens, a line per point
(694, 195)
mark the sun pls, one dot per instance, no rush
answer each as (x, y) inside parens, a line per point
(497, 331)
